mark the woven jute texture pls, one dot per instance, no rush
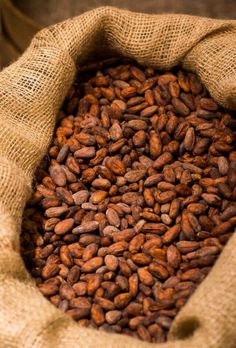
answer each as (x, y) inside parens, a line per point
(31, 92)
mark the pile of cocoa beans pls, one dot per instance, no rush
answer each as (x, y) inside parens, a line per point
(135, 199)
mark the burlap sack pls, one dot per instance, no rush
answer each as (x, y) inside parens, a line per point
(31, 91)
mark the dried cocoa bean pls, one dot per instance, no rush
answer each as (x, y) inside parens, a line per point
(135, 199)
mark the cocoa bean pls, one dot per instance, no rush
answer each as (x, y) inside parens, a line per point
(64, 226)
(86, 227)
(134, 200)
(58, 175)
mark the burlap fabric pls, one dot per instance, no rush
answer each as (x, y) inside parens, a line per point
(31, 91)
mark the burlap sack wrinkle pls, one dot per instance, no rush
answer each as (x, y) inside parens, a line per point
(31, 92)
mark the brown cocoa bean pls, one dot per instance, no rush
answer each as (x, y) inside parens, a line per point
(92, 265)
(64, 226)
(134, 175)
(86, 227)
(158, 271)
(54, 212)
(133, 203)
(145, 277)
(163, 160)
(58, 175)
(116, 166)
(171, 234)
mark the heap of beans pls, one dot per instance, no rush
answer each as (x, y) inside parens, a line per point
(134, 201)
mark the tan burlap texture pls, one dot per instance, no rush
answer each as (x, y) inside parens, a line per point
(31, 92)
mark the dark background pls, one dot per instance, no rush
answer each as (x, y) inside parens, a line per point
(51, 11)
(46, 12)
